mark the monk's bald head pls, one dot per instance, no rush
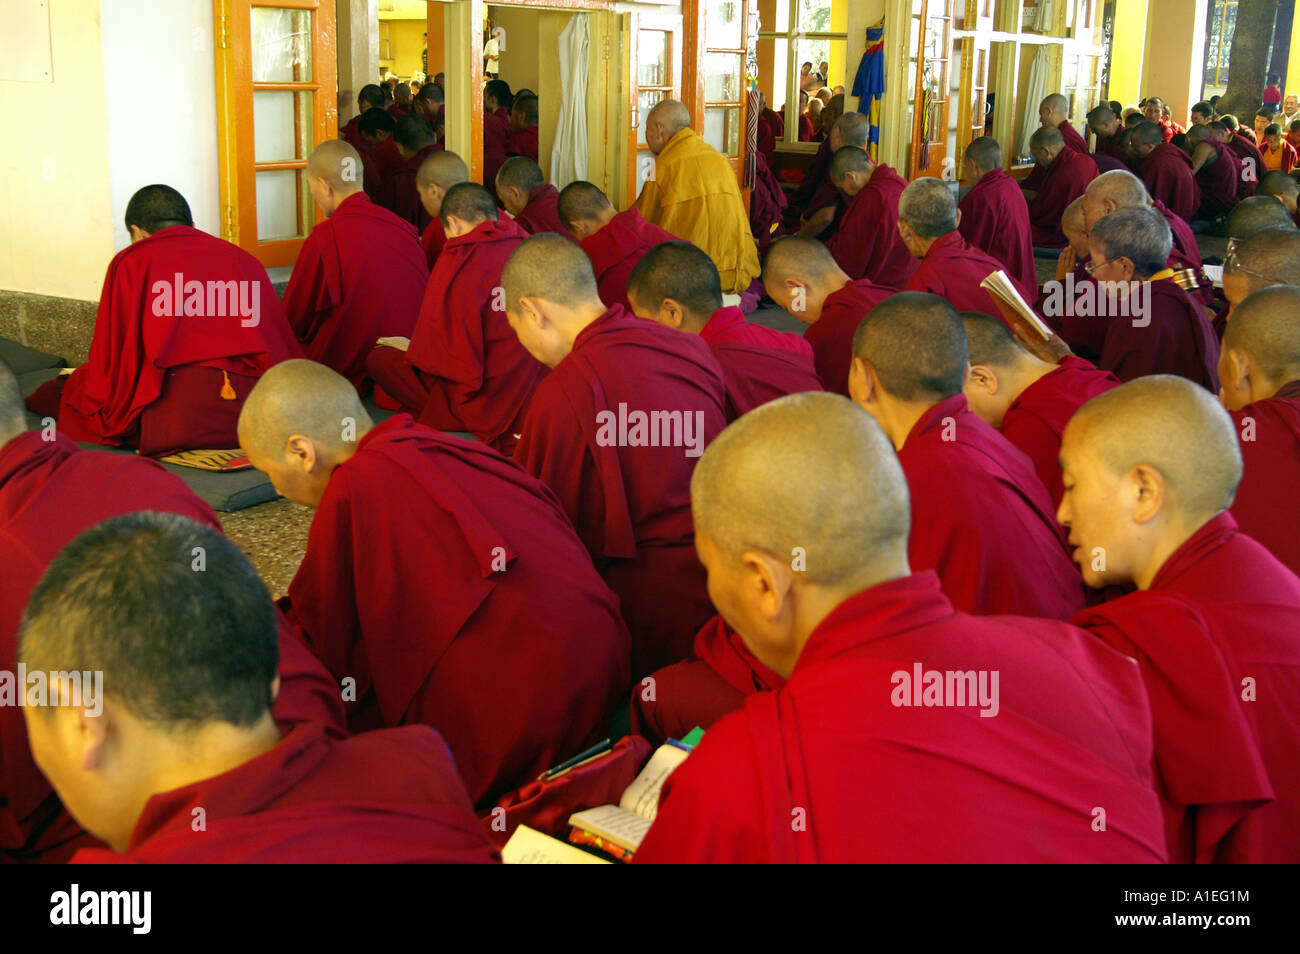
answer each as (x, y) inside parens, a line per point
(1072, 218)
(1281, 187)
(1266, 327)
(1148, 134)
(414, 133)
(13, 417)
(1054, 103)
(915, 344)
(443, 169)
(854, 129)
(338, 164)
(797, 256)
(751, 489)
(1256, 213)
(470, 203)
(989, 343)
(1198, 134)
(1046, 137)
(522, 173)
(680, 272)
(582, 201)
(985, 152)
(849, 159)
(1270, 257)
(1123, 189)
(550, 268)
(665, 120)
(301, 397)
(928, 207)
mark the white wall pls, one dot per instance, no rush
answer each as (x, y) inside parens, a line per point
(160, 87)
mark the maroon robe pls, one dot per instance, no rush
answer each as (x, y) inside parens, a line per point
(387, 161)
(523, 142)
(405, 193)
(505, 639)
(875, 780)
(767, 204)
(1185, 255)
(432, 240)
(1167, 173)
(630, 501)
(51, 491)
(867, 244)
(767, 137)
(806, 130)
(1060, 184)
(983, 520)
(1074, 141)
(496, 135)
(158, 382)
(1037, 417)
(539, 215)
(1218, 179)
(995, 219)
(831, 335)
(1078, 327)
(815, 178)
(758, 364)
(953, 269)
(383, 797)
(1267, 506)
(360, 276)
(1176, 337)
(1109, 146)
(465, 369)
(351, 133)
(1248, 158)
(616, 247)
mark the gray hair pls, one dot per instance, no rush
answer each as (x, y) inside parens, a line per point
(1140, 235)
(928, 207)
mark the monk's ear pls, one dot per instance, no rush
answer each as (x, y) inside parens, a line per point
(301, 452)
(671, 314)
(1150, 486)
(531, 309)
(767, 584)
(983, 378)
(862, 382)
(957, 218)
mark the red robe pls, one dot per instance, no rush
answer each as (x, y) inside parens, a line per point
(867, 244)
(1219, 179)
(496, 135)
(983, 520)
(630, 502)
(155, 381)
(1185, 254)
(831, 335)
(1074, 141)
(834, 768)
(1036, 419)
(1248, 157)
(523, 143)
(1167, 173)
(816, 177)
(50, 491)
(616, 247)
(1059, 184)
(504, 638)
(405, 194)
(758, 364)
(465, 369)
(1219, 611)
(382, 797)
(806, 130)
(995, 219)
(387, 161)
(953, 270)
(1176, 337)
(432, 240)
(350, 133)
(359, 276)
(1267, 506)
(539, 214)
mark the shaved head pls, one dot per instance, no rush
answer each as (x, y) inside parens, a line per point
(520, 172)
(849, 159)
(443, 169)
(13, 417)
(1121, 187)
(1072, 219)
(1270, 257)
(300, 397)
(339, 164)
(375, 121)
(855, 129)
(550, 268)
(1198, 133)
(1102, 115)
(581, 201)
(1056, 102)
(928, 207)
(431, 95)
(1278, 183)
(1171, 425)
(1266, 326)
(1148, 134)
(798, 255)
(680, 271)
(1046, 136)
(414, 133)
(916, 345)
(988, 341)
(370, 95)
(469, 202)
(156, 207)
(985, 152)
(527, 108)
(750, 489)
(671, 114)
(1256, 213)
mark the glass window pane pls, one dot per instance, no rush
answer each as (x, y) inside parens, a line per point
(645, 167)
(722, 24)
(778, 20)
(282, 124)
(722, 129)
(653, 59)
(819, 52)
(281, 193)
(814, 17)
(723, 73)
(645, 101)
(281, 41)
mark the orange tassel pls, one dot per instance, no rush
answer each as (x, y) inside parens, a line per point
(227, 392)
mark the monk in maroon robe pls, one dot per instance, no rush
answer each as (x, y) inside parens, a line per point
(1218, 173)
(677, 285)
(415, 143)
(506, 640)
(816, 178)
(187, 763)
(1166, 171)
(523, 128)
(496, 127)
(463, 369)
(824, 209)
(187, 323)
(615, 430)
(1106, 128)
(1064, 174)
(1152, 325)
(949, 267)
(1053, 112)
(1260, 372)
(371, 96)
(613, 240)
(526, 195)
(1150, 469)
(994, 216)
(800, 275)
(438, 173)
(1250, 160)
(1028, 399)
(850, 760)
(867, 244)
(359, 276)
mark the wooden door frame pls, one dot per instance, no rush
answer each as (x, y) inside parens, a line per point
(634, 22)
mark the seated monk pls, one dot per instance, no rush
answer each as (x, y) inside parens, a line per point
(1282, 187)
(677, 285)
(993, 215)
(463, 369)
(1270, 257)
(615, 430)
(359, 275)
(523, 125)
(1152, 325)
(1253, 215)
(824, 210)
(613, 240)
(950, 267)
(694, 195)
(401, 101)
(838, 748)
(188, 733)
(415, 143)
(187, 323)
(816, 181)
(1028, 399)
(867, 244)
(370, 96)
(1260, 372)
(430, 102)
(505, 639)
(1078, 328)
(1063, 175)
(802, 277)
(438, 173)
(1053, 113)
(1150, 471)
(377, 127)
(1217, 173)
(526, 195)
(1166, 171)
(1250, 159)
(497, 101)
(50, 491)
(1106, 128)
(994, 543)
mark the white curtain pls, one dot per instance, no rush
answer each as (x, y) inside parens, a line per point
(569, 155)
(1044, 16)
(1036, 93)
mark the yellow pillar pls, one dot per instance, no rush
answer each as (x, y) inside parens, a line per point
(1127, 51)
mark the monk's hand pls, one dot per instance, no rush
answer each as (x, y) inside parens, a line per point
(1052, 350)
(1065, 262)
(401, 344)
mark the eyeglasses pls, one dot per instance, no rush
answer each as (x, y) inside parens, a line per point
(1091, 267)
(1233, 265)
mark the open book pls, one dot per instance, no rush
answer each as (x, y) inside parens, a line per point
(528, 846)
(1013, 306)
(623, 826)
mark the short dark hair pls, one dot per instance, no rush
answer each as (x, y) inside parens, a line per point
(374, 121)
(499, 90)
(916, 344)
(469, 202)
(528, 106)
(156, 207)
(431, 93)
(680, 271)
(371, 95)
(1204, 108)
(414, 132)
(580, 200)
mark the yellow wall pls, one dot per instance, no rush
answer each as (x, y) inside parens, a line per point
(520, 61)
(1175, 54)
(1293, 61)
(1127, 51)
(406, 43)
(56, 229)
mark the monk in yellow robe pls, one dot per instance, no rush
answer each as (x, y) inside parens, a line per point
(694, 194)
